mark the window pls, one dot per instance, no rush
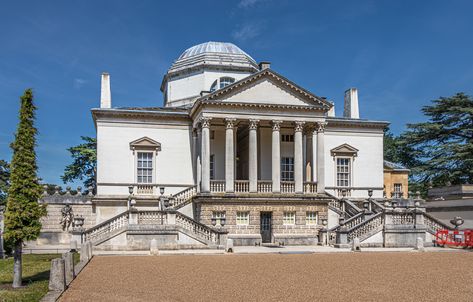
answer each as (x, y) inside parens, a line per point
(212, 166)
(287, 137)
(311, 218)
(243, 218)
(214, 86)
(343, 172)
(287, 168)
(145, 167)
(225, 81)
(397, 191)
(218, 215)
(212, 134)
(289, 218)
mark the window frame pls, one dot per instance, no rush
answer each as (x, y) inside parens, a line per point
(348, 173)
(311, 220)
(241, 220)
(289, 218)
(397, 193)
(218, 215)
(150, 169)
(212, 166)
(287, 174)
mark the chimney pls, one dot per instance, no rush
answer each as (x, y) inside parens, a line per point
(264, 65)
(331, 111)
(105, 93)
(350, 108)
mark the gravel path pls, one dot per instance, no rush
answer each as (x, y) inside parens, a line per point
(440, 276)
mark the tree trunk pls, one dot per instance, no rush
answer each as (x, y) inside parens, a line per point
(17, 273)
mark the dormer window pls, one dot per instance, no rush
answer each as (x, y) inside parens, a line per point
(220, 83)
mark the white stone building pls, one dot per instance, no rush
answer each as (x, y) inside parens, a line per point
(245, 142)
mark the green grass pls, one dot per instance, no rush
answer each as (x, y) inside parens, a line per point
(35, 278)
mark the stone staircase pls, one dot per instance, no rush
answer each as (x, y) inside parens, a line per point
(149, 223)
(183, 198)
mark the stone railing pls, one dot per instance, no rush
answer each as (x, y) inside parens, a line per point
(287, 187)
(152, 217)
(182, 198)
(365, 227)
(104, 229)
(265, 186)
(217, 186)
(242, 186)
(145, 189)
(376, 206)
(353, 221)
(403, 218)
(350, 208)
(200, 230)
(433, 224)
(336, 203)
(310, 187)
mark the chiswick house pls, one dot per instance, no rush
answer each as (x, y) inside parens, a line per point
(237, 151)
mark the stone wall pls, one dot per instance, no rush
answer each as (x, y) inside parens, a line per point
(289, 234)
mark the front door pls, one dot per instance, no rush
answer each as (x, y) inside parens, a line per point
(266, 226)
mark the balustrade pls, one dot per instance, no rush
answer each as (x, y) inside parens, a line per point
(200, 230)
(287, 187)
(152, 217)
(104, 229)
(310, 187)
(217, 186)
(403, 218)
(242, 186)
(365, 227)
(145, 189)
(265, 186)
(183, 197)
(434, 225)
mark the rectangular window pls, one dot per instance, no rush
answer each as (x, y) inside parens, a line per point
(212, 134)
(311, 218)
(218, 215)
(287, 138)
(243, 218)
(289, 218)
(212, 166)
(343, 172)
(287, 168)
(397, 191)
(145, 167)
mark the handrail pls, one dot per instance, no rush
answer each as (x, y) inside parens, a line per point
(358, 231)
(183, 196)
(437, 221)
(105, 222)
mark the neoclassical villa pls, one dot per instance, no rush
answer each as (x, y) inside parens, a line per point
(238, 151)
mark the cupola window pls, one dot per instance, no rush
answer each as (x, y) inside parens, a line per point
(222, 82)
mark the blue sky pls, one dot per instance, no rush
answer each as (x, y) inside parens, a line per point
(399, 54)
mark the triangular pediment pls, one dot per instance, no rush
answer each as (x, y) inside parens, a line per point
(145, 143)
(344, 150)
(267, 87)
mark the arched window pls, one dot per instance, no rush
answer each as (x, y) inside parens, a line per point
(214, 86)
(225, 81)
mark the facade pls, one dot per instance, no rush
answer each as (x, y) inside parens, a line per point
(396, 180)
(239, 152)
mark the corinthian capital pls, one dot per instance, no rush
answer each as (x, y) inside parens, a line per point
(253, 124)
(205, 122)
(230, 123)
(298, 126)
(276, 125)
(321, 126)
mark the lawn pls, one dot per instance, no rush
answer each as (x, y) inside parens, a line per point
(35, 278)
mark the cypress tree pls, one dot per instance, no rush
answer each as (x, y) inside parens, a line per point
(23, 211)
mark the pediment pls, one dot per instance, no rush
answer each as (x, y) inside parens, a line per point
(145, 143)
(344, 150)
(267, 87)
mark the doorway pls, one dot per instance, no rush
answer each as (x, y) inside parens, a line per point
(266, 226)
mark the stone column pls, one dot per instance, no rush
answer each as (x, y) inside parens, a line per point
(298, 162)
(320, 158)
(205, 155)
(253, 156)
(229, 156)
(313, 162)
(198, 163)
(194, 154)
(276, 157)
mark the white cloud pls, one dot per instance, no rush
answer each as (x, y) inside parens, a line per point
(247, 32)
(248, 3)
(78, 83)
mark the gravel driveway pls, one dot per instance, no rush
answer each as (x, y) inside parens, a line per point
(440, 276)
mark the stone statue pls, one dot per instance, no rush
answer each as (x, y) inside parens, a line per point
(67, 217)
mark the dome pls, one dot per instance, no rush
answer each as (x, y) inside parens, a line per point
(217, 54)
(214, 47)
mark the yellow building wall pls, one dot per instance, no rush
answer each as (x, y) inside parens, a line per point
(393, 177)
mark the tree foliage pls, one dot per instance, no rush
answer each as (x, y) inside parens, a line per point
(4, 180)
(442, 147)
(23, 210)
(84, 163)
